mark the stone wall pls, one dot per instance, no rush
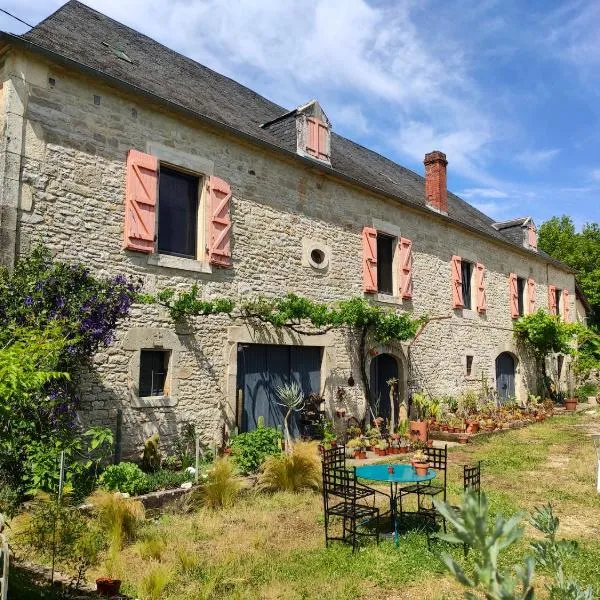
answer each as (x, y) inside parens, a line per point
(76, 135)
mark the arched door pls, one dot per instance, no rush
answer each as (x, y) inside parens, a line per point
(383, 368)
(505, 376)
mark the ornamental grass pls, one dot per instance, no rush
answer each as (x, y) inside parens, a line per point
(295, 470)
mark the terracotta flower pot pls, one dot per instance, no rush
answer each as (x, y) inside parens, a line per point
(418, 431)
(360, 454)
(571, 403)
(108, 587)
(463, 438)
(420, 468)
(473, 428)
(403, 449)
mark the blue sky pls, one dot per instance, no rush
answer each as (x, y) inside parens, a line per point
(510, 90)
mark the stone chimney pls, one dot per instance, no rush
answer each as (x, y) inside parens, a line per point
(436, 193)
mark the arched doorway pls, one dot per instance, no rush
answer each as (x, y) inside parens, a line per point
(383, 368)
(505, 376)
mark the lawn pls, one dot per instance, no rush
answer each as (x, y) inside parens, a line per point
(271, 546)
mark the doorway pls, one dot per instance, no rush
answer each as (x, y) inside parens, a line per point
(383, 368)
(505, 376)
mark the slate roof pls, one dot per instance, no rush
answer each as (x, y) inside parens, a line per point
(78, 33)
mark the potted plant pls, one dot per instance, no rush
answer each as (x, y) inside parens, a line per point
(420, 463)
(418, 428)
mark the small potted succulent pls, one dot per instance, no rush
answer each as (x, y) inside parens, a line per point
(356, 445)
(381, 448)
(420, 463)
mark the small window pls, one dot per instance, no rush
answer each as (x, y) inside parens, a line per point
(521, 295)
(178, 213)
(557, 298)
(466, 269)
(469, 365)
(385, 262)
(154, 367)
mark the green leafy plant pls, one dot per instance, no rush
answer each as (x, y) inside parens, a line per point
(165, 479)
(586, 390)
(292, 471)
(251, 448)
(222, 486)
(292, 400)
(126, 477)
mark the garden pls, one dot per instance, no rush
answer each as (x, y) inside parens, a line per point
(246, 520)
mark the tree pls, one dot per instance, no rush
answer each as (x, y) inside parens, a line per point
(581, 251)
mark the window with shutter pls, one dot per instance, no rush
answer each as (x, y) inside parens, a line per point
(219, 247)
(140, 201)
(566, 306)
(457, 287)
(513, 296)
(552, 307)
(406, 267)
(532, 237)
(317, 138)
(369, 256)
(481, 291)
(531, 300)
(385, 261)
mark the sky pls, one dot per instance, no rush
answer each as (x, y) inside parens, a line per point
(509, 90)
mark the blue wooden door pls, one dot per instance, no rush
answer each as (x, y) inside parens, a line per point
(505, 376)
(264, 367)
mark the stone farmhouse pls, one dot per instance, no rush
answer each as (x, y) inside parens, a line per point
(123, 154)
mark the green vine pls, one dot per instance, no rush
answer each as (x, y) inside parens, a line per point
(296, 313)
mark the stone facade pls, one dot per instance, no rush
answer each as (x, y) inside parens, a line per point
(63, 161)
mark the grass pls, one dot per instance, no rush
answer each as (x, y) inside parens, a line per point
(270, 546)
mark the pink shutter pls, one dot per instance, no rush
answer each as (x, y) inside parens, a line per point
(481, 292)
(369, 251)
(312, 136)
(531, 295)
(532, 235)
(219, 237)
(552, 300)
(566, 306)
(322, 151)
(457, 296)
(513, 295)
(141, 190)
(406, 275)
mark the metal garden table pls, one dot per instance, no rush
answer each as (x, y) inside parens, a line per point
(402, 474)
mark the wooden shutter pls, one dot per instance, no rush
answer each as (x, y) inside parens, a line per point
(513, 295)
(369, 255)
(141, 191)
(532, 237)
(322, 137)
(406, 275)
(566, 306)
(531, 295)
(481, 291)
(552, 299)
(312, 136)
(219, 235)
(457, 295)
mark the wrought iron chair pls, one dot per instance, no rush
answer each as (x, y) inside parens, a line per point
(438, 459)
(348, 505)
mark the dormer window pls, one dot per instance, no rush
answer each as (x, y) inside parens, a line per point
(532, 236)
(317, 138)
(522, 231)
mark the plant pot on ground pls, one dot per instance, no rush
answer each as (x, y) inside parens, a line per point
(570, 403)
(107, 586)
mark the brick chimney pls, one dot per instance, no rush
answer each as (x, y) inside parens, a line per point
(436, 193)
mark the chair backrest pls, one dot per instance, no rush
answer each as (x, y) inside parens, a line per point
(334, 458)
(339, 482)
(472, 477)
(438, 457)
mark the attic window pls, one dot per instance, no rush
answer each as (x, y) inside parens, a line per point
(317, 139)
(118, 52)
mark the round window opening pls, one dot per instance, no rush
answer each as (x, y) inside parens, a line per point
(317, 256)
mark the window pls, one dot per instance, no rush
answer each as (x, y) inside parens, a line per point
(521, 295)
(466, 270)
(385, 261)
(178, 213)
(469, 365)
(154, 366)
(557, 297)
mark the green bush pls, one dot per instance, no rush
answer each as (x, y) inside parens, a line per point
(587, 389)
(249, 450)
(126, 477)
(165, 479)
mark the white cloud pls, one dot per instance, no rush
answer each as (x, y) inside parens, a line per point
(595, 174)
(496, 210)
(482, 193)
(534, 159)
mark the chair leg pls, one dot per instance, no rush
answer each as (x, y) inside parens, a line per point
(353, 535)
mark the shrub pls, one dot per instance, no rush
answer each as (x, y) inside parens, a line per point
(292, 471)
(222, 486)
(151, 458)
(126, 477)
(165, 479)
(587, 389)
(249, 450)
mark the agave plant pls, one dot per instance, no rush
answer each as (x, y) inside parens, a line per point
(291, 398)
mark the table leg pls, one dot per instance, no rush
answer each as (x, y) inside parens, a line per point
(394, 496)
